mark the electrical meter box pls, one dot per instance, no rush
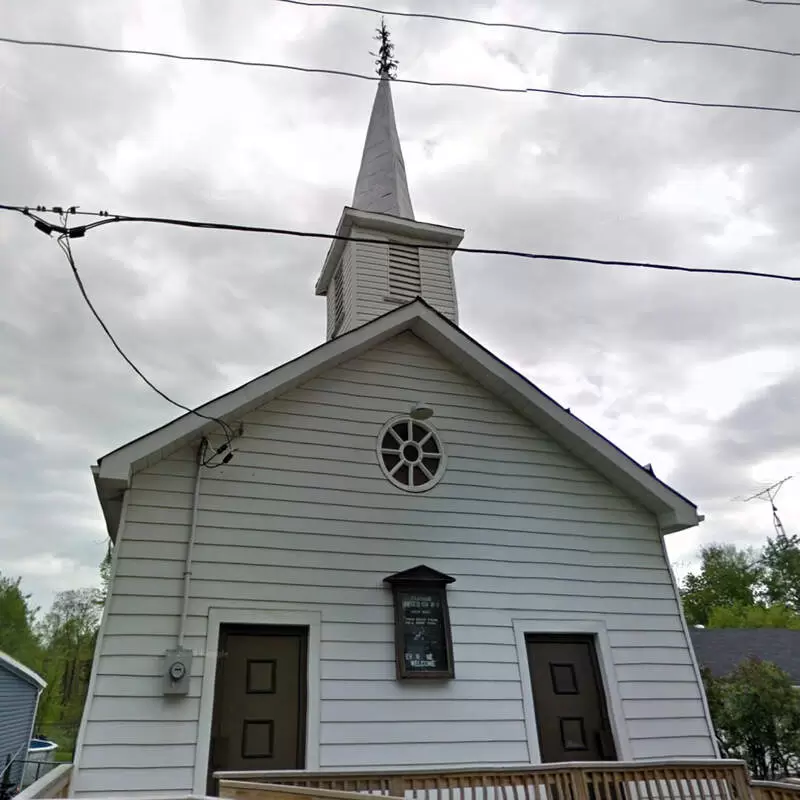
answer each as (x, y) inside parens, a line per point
(177, 671)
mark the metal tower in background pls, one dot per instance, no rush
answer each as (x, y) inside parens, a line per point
(769, 494)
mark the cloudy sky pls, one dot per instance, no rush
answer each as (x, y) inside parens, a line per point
(697, 375)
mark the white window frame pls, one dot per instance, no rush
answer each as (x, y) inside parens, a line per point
(596, 628)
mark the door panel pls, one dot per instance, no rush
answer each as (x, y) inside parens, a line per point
(259, 718)
(569, 700)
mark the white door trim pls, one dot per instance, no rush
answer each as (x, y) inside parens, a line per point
(607, 672)
(257, 616)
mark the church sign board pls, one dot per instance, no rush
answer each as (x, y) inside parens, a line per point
(423, 645)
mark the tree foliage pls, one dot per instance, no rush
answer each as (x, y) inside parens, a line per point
(739, 588)
(68, 633)
(58, 645)
(727, 579)
(755, 616)
(756, 713)
(781, 561)
(17, 623)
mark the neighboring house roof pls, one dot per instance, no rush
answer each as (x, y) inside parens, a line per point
(674, 512)
(12, 665)
(722, 649)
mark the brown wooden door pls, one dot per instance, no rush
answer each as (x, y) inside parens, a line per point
(569, 700)
(259, 718)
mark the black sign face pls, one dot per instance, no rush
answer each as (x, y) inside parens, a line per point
(423, 632)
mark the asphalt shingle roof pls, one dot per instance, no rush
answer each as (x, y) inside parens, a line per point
(722, 649)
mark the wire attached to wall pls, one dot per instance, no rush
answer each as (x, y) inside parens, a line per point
(63, 242)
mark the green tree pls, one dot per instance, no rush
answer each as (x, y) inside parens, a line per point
(756, 713)
(68, 632)
(756, 616)
(105, 577)
(781, 561)
(728, 578)
(18, 624)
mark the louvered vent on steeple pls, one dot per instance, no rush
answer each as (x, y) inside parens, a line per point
(405, 279)
(338, 300)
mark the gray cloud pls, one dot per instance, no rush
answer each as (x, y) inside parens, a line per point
(201, 312)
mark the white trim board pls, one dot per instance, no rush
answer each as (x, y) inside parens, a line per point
(98, 647)
(597, 628)
(695, 664)
(258, 616)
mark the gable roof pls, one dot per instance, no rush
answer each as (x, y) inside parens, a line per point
(28, 675)
(673, 511)
(723, 649)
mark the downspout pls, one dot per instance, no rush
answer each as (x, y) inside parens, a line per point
(178, 662)
(187, 566)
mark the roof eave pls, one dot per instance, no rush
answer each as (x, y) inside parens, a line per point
(386, 224)
(113, 471)
(673, 511)
(26, 673)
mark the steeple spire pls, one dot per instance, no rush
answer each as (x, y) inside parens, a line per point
(379, 259)
(382, 186)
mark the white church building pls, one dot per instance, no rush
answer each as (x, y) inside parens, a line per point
(414, 558)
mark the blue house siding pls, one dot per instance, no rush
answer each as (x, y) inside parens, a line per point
(18, 701)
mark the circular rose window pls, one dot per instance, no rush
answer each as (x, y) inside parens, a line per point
(410, 454)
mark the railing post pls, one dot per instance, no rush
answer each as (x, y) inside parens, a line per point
(742, 783)
(579, 788)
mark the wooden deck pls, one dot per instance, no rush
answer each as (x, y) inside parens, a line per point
(663, 780)
(667, 780)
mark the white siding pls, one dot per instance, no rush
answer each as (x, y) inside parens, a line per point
(303, 519)
(344, 272)
(365, 270)
(371, 263)
(438, 284)
(18, 701)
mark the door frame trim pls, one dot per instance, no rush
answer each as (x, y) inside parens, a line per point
(608, 677)
(268, 618)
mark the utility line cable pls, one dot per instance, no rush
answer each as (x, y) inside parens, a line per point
(107, 218)
(439, 84)
(774, 2)
(538, 29)
(64, 244)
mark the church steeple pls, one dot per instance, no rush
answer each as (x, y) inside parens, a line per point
(389, 265)
(382, 184)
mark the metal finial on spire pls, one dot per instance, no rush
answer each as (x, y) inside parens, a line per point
(385, 62)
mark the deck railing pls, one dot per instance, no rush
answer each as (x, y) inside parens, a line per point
(772, 790)
(53, 784)
(667, 780)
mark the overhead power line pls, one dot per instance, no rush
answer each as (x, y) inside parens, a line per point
(439, 84)
(538, 29)
(64, 244)
(774, 2)
(106, 218)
